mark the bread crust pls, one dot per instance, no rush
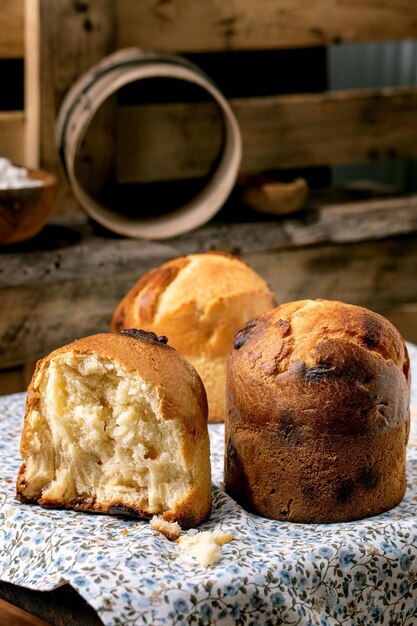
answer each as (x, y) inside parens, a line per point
(183, 398)
(318, 413)
(139, 305)
(199, 302)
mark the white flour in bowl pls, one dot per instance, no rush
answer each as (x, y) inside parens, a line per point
(12, 177)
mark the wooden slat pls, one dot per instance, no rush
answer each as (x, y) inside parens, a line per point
(82, 252)
(57, 607)
(32, 83)
(12, 136)
(11, 29)
(73, 37)
(168, 141)
(203, 25)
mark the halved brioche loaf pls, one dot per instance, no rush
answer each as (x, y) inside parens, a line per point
(199, 302)
(318, 413)
(117, 423)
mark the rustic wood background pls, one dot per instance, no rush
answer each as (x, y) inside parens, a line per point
(67, 281)
(70, 290)
(278, 131)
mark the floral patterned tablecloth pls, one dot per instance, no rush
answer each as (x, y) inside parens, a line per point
(273, 573)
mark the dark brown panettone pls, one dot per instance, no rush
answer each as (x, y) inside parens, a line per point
(317, 413)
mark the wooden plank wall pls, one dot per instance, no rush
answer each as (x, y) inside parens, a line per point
(207, 25)
(11, 29)
(75, 36)
(180, 140)
(279, 132)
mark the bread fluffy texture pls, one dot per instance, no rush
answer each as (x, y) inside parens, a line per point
(318, 413)
(199, 302)
(116, 424)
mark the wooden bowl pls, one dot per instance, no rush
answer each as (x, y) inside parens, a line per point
(24, 211)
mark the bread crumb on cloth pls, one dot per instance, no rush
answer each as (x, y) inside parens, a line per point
(204, 546)
(171, 530)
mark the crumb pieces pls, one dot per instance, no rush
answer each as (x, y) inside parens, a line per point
(125, 532)
(171, 530)
(204, 546)
(222, 538)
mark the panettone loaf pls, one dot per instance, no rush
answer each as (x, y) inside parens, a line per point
(199, 302)
(318, 413)
(117, 423)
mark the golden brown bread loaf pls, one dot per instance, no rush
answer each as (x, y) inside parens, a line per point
(318, 413)
(117, 423)
(199, 302)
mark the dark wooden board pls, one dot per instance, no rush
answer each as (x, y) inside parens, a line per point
(61, 607)
(55, 296)
(71, 248)
(11, 615)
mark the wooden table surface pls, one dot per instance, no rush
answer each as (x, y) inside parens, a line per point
(10, 615)
(61, 607)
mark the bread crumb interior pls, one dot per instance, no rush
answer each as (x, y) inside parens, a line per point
(99, 436)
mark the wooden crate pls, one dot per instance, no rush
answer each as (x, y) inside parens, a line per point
(279, 131)
(59, 39)
(19, 39)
